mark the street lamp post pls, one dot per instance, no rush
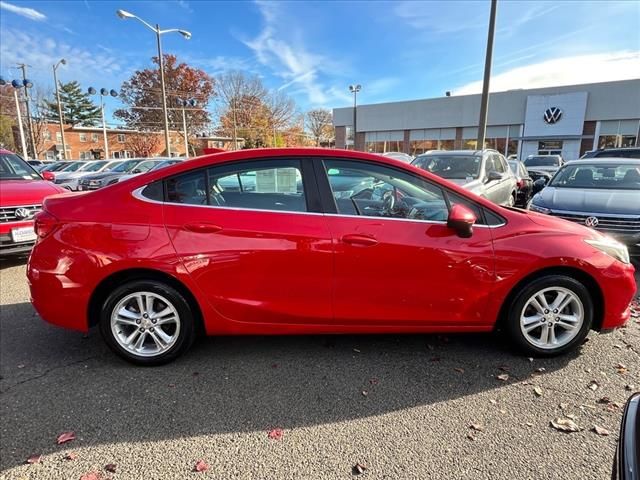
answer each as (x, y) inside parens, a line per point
(103, 93)
(186, 103)
(187, 35)
(55, 81)
(354, 89)
(27, 84)
(484, 101)
(17, 85)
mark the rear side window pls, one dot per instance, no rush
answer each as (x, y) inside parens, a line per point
(154, 191)
(189, 188)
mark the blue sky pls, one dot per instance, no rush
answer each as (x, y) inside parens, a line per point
(314, 50)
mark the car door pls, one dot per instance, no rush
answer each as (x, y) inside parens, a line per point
(396, 261)
(253, 238)
(492, 188)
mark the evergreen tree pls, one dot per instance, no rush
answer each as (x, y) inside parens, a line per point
(77, 106)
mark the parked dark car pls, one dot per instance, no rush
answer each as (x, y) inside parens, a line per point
(630, 152)
(626, 463)
(523, 182)
(603, 194)
(544, 163)
(109, 177)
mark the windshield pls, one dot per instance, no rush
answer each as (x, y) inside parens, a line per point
(94, 166)
(12, 167)
(451, 166)
(125, 166)
(599, 176)
(542, 161)
(163, 164)
(73, 166)
(514, 167)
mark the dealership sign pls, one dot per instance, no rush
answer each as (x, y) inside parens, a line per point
(552, 115)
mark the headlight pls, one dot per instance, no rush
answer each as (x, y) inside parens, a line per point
(95, 183)
(610, 247)
(535, 208)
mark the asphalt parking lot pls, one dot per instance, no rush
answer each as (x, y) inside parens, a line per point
(402, 406)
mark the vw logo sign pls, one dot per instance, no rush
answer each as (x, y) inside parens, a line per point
(23, 213)
(591, 222)
(552, 115)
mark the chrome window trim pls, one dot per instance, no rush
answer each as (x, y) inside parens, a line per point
(137, 193)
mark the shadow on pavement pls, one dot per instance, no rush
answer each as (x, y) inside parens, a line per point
(13, 261)
(54, 380)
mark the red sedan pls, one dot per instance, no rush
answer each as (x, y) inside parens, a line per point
(299, 241)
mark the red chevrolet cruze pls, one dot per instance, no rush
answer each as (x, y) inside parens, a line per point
(295, 241)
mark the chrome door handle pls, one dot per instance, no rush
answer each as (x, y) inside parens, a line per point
(202, 227)
(359, 240)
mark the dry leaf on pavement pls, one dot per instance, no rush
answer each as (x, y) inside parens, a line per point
(65, 437)
(593, 385)
(503, 377)
(275, 434)
(110, 467)
(34, 458)
(600, 431)
(201, 466)
(358, 469)
(477, 427)
(565, 425)
(537, 391)
(71, 456)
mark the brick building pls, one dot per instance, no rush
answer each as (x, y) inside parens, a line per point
(87, 143)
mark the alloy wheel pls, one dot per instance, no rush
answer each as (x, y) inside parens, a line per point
(145, 324)
(552, 317)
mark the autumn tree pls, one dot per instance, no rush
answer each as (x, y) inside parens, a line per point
(142, 95)
(142, 144)
(77, 106)
(320, 124)
(7, 117)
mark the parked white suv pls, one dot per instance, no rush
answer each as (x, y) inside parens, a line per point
(484, 172)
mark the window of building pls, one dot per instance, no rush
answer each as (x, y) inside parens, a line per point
(376, 191)
(553, 147)
(94, 137)
(121, 138)
(381, 142)
(88, 155)
(58, 137)
(46, 135)
(50, 155)
(83, 137)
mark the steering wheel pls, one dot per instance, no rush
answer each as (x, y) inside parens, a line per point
(388, 202)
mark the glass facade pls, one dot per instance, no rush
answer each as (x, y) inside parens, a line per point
(382, 142)
(618, 133)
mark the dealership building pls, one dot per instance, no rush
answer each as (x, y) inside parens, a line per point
(567, 120)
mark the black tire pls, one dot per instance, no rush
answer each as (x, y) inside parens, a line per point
(517, 305)
(186, 318)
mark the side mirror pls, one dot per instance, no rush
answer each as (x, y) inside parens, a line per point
(493, 175)
(50, 176)
(539, 185)
(136, 170)
(461, 219)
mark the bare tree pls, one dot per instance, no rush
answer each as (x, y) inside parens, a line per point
(234, 88)
(281, 111)
(320, 124)
(39, 120)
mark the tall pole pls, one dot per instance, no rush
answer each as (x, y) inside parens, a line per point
(64, 146)
(355, 104)
(164, 94)
(23, 67)
(484, 102)
(24, 144)
(235, 127)
(186, 139)
(104, 130)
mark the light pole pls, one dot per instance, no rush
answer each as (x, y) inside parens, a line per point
(27, 84)
(484, 101)
(187, 35)
(186, 103)
(17, 85)
(55, 81)
(103, 93)
(354, 89)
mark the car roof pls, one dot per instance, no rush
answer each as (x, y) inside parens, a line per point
(616, 160)
(459, 152)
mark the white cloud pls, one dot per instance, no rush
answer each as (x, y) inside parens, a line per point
(602, 67)
(290, 60)
(29, 13)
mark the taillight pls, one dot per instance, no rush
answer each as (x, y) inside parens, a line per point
(45, 223)
(520, 183)
(49, 176)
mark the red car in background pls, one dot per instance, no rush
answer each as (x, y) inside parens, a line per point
(297, 241)
(22, 191)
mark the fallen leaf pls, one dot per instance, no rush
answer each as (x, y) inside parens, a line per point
(171, 385)
(275, 434)
(593, 385)
(65, 437)
(470, 436)
(503, 377)
(71, 456)
(477, 427)
(603, 400)
(34, 458)
(364, 393)
(529, 424)
(374, 381)
(504, 368)
(110, 467)
(613, 407)
(201, 466)
(540, 370)
(537, 391)
(358, 469)
(530, 359)
(356, 350)
(621, 368)
(21, 366)
(600, 431)
(565, 425)
(459, 370)
(628, 388)
(92, 476)
(493, 402)
(563, 406)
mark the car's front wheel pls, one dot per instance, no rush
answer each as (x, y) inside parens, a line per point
(550, 315)
(147, 322)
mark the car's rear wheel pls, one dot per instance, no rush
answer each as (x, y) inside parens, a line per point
(550, 315)
(147, 322)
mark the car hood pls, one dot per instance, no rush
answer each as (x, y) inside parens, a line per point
(566, 227)
(69, 175)
(100, 176)
(26, 192)
(589, 200)
(472, 185)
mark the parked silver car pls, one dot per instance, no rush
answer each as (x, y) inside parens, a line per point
(484, 172)
(544, 163)
(601, 193)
